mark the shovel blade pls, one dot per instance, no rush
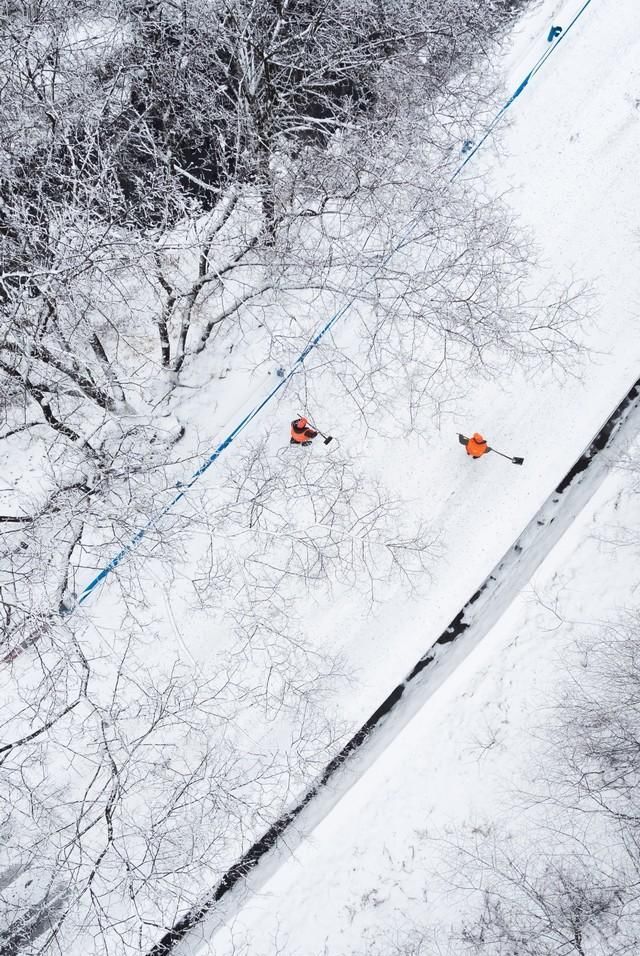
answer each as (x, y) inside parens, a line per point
(328, 439)
(518, 461)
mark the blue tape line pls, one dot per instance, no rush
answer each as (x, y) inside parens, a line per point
(532, 72)
(140, 534)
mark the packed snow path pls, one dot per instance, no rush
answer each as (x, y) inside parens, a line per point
(474, 621)
(565, 194)
(558, 198)
(406, 235)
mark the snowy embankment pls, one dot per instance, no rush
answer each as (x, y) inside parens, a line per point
(570, 153)
(368, 875)
(547, 416)
(470, 626)
(266, 706)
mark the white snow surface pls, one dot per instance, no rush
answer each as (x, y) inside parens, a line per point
(561, 169)
(565, 159)
(368, 870)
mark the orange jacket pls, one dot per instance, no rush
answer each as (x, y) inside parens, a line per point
(477, 446)
(300, 430)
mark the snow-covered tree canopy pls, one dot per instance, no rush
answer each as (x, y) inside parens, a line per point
(186, 189)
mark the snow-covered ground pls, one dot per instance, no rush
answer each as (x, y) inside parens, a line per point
(369, 871)
(566, 161)
(562, 173)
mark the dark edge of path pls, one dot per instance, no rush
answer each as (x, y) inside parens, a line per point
(456, 628)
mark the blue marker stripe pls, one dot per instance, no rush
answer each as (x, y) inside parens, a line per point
(535, 69)
(140, 534)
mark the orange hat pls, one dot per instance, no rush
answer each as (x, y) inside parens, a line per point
(303, 421)
(477, 437)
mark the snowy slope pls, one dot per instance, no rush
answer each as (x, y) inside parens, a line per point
(470, 628)
(569, 155)
(548, 417)
(580, 202)
(368, 870)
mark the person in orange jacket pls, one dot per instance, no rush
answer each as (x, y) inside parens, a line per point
(301, 433)
(476, 445)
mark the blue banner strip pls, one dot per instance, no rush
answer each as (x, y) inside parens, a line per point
(140, 534)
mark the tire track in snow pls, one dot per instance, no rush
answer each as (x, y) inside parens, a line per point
(472, 623)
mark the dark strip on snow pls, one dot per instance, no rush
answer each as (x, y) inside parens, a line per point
(489, 590)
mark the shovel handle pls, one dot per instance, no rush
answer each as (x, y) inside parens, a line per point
(327, 438)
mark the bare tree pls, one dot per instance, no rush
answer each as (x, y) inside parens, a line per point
(175, 176)
(568, 882)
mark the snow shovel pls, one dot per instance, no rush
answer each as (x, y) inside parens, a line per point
(327, 438)
(516, 461)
